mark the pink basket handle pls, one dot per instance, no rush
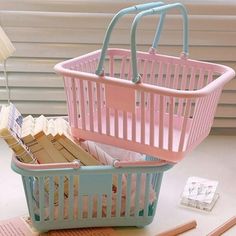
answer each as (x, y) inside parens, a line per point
(74, 165)
(118, 164)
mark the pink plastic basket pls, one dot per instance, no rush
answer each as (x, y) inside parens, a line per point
(165, 115)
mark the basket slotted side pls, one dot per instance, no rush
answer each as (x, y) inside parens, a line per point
(165, 116)
(91, 202)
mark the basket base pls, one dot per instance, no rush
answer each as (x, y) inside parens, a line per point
(139, 222)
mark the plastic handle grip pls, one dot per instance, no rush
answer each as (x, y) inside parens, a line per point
(133, 9)
(74, 165)
(119, 164)
(161, 10)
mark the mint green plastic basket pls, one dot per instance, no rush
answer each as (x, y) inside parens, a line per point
(95, 183)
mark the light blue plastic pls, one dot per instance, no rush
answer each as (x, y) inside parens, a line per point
(113, 22)
(158, 10)
(93, 181)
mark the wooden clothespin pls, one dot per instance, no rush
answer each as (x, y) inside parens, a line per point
(179, 229)
(224, 227)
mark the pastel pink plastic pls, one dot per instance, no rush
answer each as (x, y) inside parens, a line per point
(27, 166)
(165, 116)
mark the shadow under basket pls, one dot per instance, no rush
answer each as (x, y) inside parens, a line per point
(90, 196)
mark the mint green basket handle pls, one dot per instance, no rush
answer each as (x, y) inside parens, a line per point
(162, 10)
(133, 9)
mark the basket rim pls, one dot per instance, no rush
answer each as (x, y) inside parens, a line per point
(227, 74)
(23, 169)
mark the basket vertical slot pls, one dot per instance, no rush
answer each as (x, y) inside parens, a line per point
(102, 104)
(137, 194)
(51, 192)
(209, 109)
(146, 198)
(85, 205)
(152, 67)
(125, 127)
(201, 116)
(215, 98)
(134, 123)
(144, 72)
(90, 206)
(80, 206)
(129, 69)
(99, 206)
(151, 122)
(112, 121)
(168, 75)
(137, 116)
(142, 118)
(147, 117)
(109, 203)
(71, 192)
(128, 195)
(184, 125)
(108, 129)
(86, 105)
(82, 103)
(91, 105)
(200, 79)
(116, 123)
(192, 78)
(209, 78)
(160, 77)
(41, 198)
(156, 119)
(123, 66)
(71, 96)
(171, 75)
(118, 195)
(161, 121)
(61, 197)
(170, 123)
(28, 183)
(184, 79)
(196, 121)
(156, 186)
(206, 111)
(111, 66)
(181, 80)
(176, 76)
(99, 107)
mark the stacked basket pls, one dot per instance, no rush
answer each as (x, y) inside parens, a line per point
(157, 105)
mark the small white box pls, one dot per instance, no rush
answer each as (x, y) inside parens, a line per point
(200, 193)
